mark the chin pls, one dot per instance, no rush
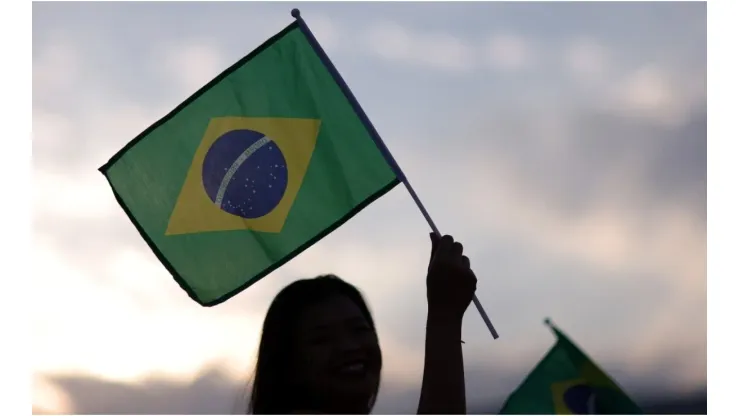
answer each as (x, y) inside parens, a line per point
(356, 397)
(354, 406)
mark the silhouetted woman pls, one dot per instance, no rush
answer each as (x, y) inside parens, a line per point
(319, 352)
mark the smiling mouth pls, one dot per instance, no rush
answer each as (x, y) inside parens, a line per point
(357, 368)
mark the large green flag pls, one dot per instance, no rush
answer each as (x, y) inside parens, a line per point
(567, 382)
(261, 163)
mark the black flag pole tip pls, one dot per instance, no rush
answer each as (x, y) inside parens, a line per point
(548, 322)
(295, 13)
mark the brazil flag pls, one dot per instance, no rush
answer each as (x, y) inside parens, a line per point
(567, 382)
(255, 167)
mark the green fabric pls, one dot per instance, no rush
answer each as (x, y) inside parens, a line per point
(566, 381)
(282, 85)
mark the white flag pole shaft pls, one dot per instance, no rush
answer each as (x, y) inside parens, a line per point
(379, 142)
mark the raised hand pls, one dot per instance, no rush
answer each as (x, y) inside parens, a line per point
(451, 283)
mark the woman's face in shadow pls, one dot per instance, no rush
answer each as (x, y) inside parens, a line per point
(338, 355)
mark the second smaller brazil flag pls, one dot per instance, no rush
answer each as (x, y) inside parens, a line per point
(567, 382)
(254, 168)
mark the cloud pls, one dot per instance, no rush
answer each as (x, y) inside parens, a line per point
(648, 90)
(214, 391)
(327, 32)
(192, 63)
(627, 196)
(508, 52)
(210, 392)
(51, 132)
(440, 51)
(142, 322)
(50, 398)
(654, 93)
(586, 60)
(56, 67)
(80, 196)
(83, 139)
(603, 234)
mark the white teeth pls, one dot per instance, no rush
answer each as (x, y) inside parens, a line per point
(353, 368)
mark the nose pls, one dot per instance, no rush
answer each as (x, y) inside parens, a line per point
(348, 342)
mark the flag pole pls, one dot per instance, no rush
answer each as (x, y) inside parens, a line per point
(379, 142)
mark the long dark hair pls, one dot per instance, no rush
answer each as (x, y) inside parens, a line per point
(272, 390)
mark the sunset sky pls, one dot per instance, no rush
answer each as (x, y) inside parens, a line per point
(565, 144)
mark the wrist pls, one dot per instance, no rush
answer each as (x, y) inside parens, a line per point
(444, 320)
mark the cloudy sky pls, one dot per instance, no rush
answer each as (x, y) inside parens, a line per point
(564, 144)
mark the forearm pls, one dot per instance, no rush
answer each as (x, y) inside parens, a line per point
(443, 383)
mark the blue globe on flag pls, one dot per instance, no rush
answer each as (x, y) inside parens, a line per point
(581, 400)
(245, 174)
